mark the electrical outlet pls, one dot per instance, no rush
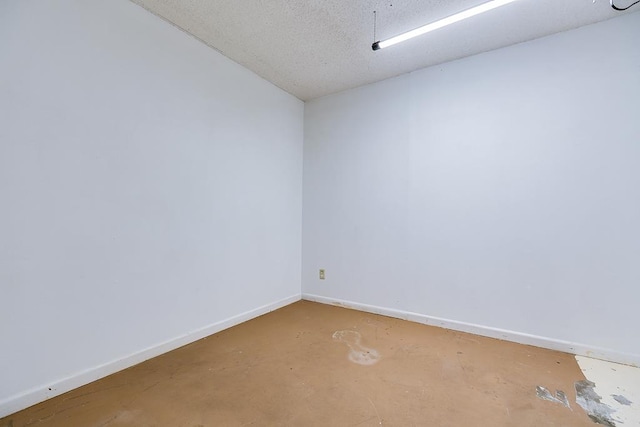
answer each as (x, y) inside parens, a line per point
(321, 274)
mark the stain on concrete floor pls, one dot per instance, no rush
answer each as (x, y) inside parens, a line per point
(287, 369)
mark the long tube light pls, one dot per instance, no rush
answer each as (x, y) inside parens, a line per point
(477, 10)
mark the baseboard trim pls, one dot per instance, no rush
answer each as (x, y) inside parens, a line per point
(486, 331)
(39, 394)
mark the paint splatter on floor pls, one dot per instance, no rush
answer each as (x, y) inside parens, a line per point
(619, 388)
(560, 396)
(621, 399)
(357, 352)
(608, 403)
(591, 402)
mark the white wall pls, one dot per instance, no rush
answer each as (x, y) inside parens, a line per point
(150, 192)
(498, 191)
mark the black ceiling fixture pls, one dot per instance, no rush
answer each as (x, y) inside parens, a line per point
(623, 8)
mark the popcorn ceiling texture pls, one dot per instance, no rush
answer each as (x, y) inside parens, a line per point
(313, 48)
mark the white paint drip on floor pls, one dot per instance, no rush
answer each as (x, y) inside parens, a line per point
(357, 352)
(617, 385)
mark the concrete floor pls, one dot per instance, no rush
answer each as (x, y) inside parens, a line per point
(310, 364)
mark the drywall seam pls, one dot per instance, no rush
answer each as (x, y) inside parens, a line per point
(486, 331)
(41, 393)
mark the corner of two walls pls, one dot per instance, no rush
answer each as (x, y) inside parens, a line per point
(496, 194)
(496, 191)
(151, 192)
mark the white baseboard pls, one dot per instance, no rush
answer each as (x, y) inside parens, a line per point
(39, 394)
(486, 331)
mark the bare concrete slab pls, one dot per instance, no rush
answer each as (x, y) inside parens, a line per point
(310, 364)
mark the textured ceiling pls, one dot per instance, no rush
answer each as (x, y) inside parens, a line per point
(313, 48)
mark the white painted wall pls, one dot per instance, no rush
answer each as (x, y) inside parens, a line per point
(498, 191)
(150, 192)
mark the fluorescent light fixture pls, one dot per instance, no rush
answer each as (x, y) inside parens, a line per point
(485, 7)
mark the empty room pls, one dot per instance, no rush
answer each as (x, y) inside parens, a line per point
(319, 213)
